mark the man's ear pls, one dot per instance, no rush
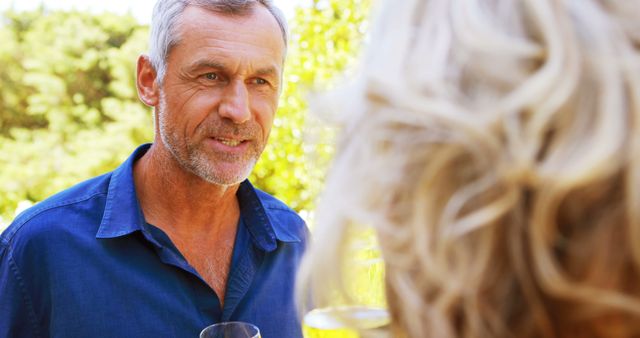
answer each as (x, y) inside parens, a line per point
(148, 90)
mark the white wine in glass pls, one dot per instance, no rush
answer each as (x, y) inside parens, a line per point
(231, 330)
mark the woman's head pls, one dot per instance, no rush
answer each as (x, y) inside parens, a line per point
(494, 145)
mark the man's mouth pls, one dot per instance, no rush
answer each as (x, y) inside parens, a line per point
(229, 142)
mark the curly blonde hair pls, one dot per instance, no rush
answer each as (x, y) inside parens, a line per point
(494, 146)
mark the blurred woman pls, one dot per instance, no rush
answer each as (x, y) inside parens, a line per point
(494, 146)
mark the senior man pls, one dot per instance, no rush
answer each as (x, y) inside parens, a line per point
(176, 238)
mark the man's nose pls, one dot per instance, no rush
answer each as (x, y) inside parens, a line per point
(234, 104)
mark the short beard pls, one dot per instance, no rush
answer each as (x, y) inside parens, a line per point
(193, 162)
(203, 168)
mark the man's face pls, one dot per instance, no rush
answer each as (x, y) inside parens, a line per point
(220, 92)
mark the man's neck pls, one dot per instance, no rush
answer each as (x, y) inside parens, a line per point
(200, 218)
(178, 201)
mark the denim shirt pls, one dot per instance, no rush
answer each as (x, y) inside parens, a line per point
(84, 263)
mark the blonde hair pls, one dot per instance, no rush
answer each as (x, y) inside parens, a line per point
(494, 146)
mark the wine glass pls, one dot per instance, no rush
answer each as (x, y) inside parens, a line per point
(231, 330)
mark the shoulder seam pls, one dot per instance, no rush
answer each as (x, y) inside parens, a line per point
(37, 211)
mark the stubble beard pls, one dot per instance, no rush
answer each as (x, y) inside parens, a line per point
(194, 159)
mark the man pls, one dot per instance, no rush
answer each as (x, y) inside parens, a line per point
(176, 238)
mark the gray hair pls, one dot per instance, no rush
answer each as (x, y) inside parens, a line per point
(166, 14)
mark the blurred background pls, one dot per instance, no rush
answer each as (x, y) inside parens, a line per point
(69, 108)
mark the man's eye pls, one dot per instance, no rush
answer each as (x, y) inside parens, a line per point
(260, 81)
(211, 76)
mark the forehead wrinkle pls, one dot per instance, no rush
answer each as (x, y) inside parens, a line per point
(229, 39)
(182, 26)
(209, 63)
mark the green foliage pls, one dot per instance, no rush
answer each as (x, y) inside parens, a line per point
(68, 105)
(69, 108)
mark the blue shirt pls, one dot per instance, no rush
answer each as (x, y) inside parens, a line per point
(84, 263)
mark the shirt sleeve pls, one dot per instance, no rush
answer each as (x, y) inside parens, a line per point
(17, 318)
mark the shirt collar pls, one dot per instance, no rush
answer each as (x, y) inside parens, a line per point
(255, 217)
(122, 213)
(123, 216)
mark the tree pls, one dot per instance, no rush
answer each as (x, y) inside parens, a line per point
(68, 108)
